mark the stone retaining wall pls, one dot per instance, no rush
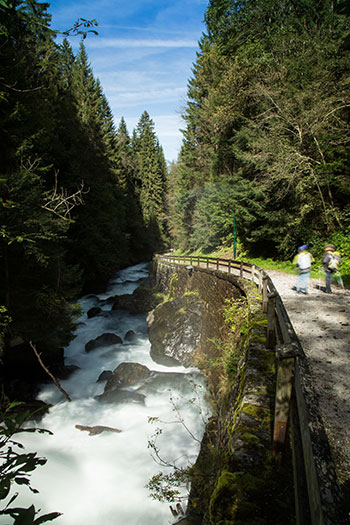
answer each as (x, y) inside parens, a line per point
(236, 475)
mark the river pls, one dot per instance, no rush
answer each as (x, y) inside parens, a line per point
(100, 480)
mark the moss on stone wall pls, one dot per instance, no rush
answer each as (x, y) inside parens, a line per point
(235, 480)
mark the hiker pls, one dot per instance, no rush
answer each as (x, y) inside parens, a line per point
(303, 260)
(337, 274)
(331, 261)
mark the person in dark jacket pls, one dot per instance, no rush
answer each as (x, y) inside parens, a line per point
(326, 261)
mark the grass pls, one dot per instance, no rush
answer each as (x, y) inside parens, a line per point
(225, 252)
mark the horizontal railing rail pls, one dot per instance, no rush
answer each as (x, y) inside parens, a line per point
(317, 495)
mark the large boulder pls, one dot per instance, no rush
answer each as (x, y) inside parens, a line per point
(95, 310)
(103, 340)
(142, 300)
(104, 376)
(121, 396)
(130, 336)
(175, 329)
(164, 381)
(127, 374)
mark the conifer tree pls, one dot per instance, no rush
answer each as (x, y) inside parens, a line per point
(150, 176)
(268, 114)
(35, 279)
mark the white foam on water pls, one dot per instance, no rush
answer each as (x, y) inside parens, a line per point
(100, 480)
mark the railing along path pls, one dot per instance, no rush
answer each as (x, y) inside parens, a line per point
(317, 494)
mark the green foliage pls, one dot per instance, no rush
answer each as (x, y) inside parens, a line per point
(170, 487)
(243, 316)
(150, 179)
(5, 320)
(191, 293)
(266, 129)
(73, 209)
(172, 285)
(16, 466)
(233, 499)
(165, 487)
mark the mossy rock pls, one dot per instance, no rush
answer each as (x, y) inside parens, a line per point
(232, 501)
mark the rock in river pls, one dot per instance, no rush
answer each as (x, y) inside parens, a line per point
(175, 329)
(95, 310)
(103, 340)
(127, 374)
(121, 396)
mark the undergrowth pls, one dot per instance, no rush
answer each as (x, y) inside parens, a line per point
(286, 266)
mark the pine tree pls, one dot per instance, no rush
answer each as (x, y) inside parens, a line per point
(150, 177)
(36, 282)
(266, 115)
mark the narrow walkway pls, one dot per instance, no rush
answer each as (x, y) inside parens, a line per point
(322, 324)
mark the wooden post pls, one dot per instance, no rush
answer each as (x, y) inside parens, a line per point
(301, 496)
(264, 294)
(286, 359)
(217, 264)
(241, 269)
(253, 273)
(207, 262)
(229, 266)
(271, 320)
(199, 260)
(260, 282)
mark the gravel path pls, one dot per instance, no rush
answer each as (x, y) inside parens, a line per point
(322, 324)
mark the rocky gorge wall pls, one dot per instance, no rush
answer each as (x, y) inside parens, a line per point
(236, 479)
(193, 317)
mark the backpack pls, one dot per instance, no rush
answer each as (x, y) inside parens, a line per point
(334, 262)
(304, 261)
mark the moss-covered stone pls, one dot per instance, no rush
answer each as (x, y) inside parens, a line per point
(235, 480)
(233, 499)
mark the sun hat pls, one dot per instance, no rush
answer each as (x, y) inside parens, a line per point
(329, 247)
(303, 247)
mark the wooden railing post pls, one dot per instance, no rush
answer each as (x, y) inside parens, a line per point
(285, 362)
(253, 273)
(229, 266)
(241, 269)
(207, 262)
(264, 294)
(217, 264)
(260, 282)
(271, 320)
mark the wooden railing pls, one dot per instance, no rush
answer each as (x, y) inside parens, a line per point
(318, 498)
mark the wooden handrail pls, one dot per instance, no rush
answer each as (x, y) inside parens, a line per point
(311, 452)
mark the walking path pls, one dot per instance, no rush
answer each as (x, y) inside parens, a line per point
(322, 324)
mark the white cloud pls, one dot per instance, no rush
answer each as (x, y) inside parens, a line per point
(128, 97)
(132, 42)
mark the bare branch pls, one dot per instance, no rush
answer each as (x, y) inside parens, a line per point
(21, 90)
(48, 371)
(59, 202)
(334, 110)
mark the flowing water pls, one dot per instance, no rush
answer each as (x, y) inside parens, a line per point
(100, 480)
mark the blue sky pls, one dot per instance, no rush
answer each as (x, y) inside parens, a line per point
(143, 56)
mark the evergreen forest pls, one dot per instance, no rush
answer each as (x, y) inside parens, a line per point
(267, 130)
(266, 138)
(79, 197)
